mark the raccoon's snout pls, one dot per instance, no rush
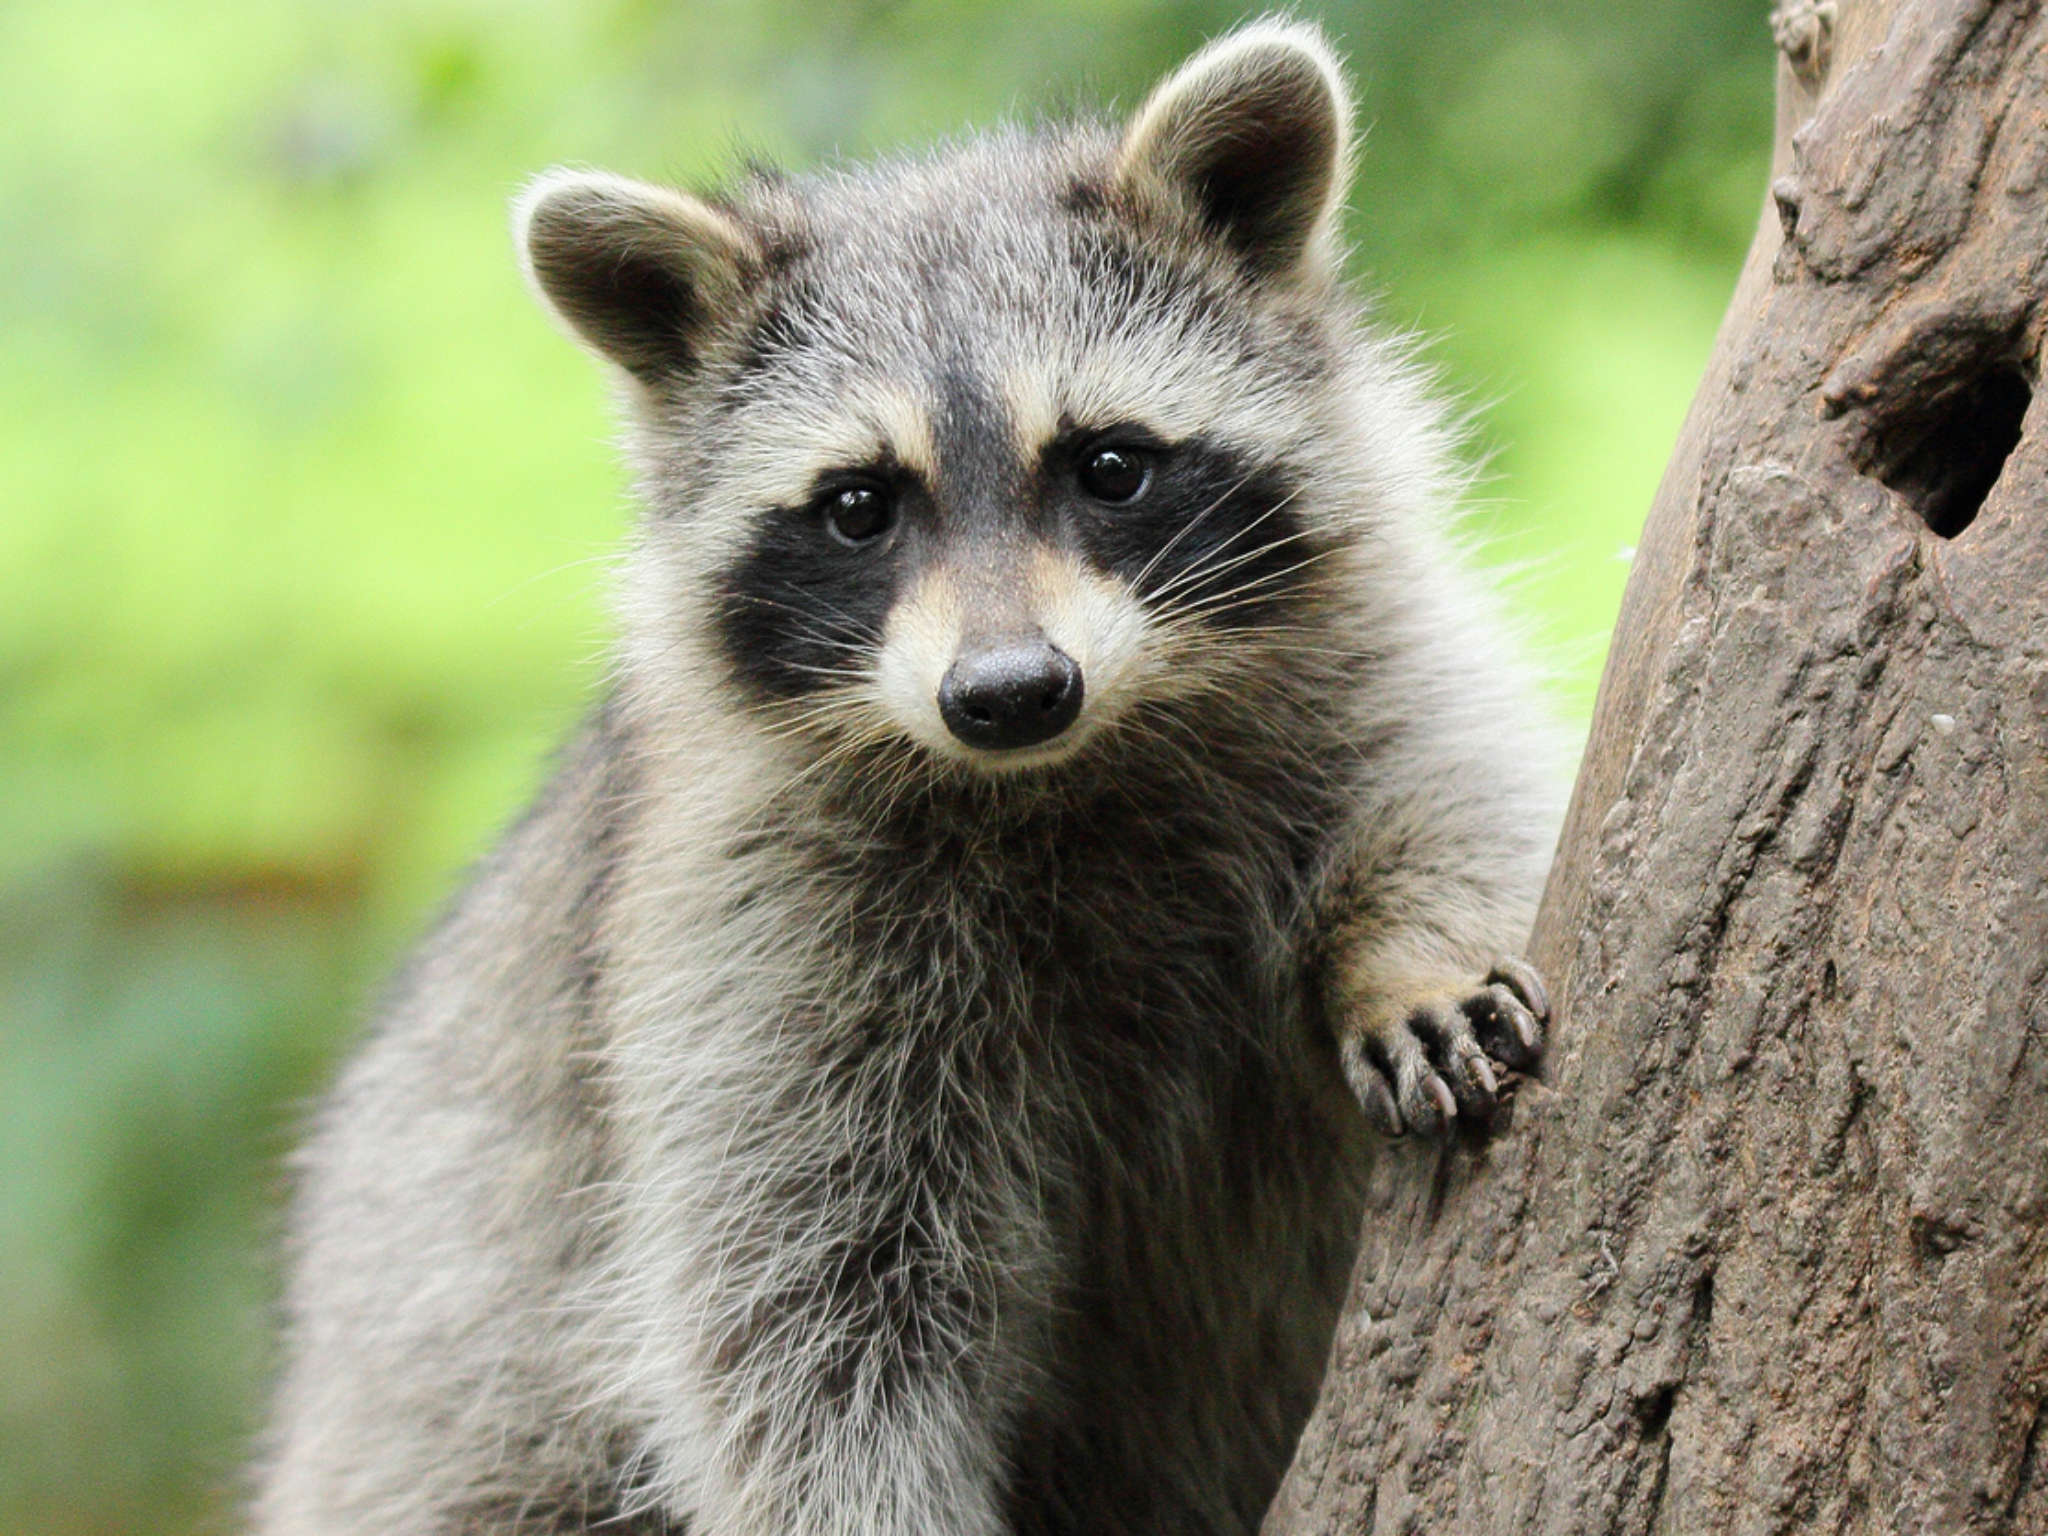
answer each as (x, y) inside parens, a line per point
(1017, 693)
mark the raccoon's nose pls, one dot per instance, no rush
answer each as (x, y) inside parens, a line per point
(1015, 694)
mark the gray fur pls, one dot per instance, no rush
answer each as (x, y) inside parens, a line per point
(802, 1127)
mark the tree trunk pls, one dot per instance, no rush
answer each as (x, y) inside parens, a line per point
(1769, 1251)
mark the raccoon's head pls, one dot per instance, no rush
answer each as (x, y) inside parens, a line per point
(994, 451)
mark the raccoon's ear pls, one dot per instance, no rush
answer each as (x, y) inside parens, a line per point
(1255, 130)
(635, 270)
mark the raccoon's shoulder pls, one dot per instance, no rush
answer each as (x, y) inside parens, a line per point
(522, 938)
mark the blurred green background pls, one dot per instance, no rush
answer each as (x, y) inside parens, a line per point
(304, 514)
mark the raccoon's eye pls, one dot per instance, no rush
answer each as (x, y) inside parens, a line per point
(1116, 475)
(858, 514)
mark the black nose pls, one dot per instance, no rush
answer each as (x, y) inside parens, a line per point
(1014, 694)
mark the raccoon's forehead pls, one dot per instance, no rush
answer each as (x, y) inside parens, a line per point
(988, 286)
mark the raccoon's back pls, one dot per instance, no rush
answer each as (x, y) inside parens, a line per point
(444, 1219)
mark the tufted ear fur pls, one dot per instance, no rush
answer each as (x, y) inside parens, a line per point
(636, 271)
(1254, 132)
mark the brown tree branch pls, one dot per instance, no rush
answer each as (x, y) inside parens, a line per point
(1769, 1253)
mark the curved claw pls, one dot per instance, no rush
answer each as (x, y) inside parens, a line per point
(1521, 975)
(1372, 1089)
(1506, 1025)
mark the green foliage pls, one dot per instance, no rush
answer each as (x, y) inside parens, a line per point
(305, 514)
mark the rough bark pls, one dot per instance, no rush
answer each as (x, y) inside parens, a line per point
(1769, 1250)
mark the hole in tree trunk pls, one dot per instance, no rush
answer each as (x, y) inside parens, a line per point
(1945, 453)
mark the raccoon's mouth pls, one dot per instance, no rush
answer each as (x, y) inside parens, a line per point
(1020, 759)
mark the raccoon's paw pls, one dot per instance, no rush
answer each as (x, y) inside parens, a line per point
(1430, 1064)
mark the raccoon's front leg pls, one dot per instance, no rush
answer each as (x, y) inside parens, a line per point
(839, 1301)
(859, 1398)
(1425, 1006)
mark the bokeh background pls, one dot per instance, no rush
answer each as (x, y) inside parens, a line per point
(305, 512)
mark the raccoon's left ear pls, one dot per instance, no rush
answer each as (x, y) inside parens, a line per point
(1255, 130)
(638, 272)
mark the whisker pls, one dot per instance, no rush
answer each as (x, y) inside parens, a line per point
(1197, 571)
(1258, 589)
(1185, 590)
(1144, 571)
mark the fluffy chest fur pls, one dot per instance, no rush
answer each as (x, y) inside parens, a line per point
(1013, 1091)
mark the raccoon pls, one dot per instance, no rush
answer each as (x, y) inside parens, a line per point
(1060, 804)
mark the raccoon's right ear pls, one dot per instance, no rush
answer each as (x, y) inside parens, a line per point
(1255, 133)
(635, 270)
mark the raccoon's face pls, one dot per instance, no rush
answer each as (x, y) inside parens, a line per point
(991, 452)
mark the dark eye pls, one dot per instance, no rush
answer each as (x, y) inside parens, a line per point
(858, 514)
(1116, 474)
